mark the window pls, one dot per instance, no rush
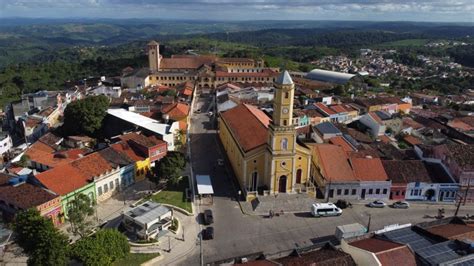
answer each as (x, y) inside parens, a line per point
(354, 191)
(284, 122)
(346, 191)
(287, 95)
(339, 191)
(331, 193)
(106, 188)
(116, 182)
(284, 144)
(397, 193)
(377, 191)
(99, 191)
(411, 192)
(371, 191)
(111, 184)
(384, 191)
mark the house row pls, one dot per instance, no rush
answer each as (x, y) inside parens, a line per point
(342, 173)
(98, 175)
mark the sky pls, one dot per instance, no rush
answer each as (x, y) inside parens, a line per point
(383, 10)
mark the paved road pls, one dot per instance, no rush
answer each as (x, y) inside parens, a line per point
(237, 234)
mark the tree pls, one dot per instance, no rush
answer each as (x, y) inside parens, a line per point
(44, 244)
(171, 166)
(103, 248)
(84, 117)
(80, 209)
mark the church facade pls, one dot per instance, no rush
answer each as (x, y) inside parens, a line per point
(206, 71)
(264, 153)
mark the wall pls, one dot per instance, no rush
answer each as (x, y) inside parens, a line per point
(374, 186)
(141, 168)
(351, 188)
(360, 256)
(52, 210)
(127, 174)
(107, 185)
(5, 144)
(88, 190)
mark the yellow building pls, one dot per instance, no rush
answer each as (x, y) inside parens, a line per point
(264, 153)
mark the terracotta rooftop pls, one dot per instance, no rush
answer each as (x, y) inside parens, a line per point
(368, 169)
(63, 179)
(23, 196)
(338, 108)
(142, 140)
(412, 140)
(46, 155)
(375, 245)
(453, 231)
(193, 62)
(340, 141)
(176, 111)
(396, 257)
(334, 162)
(322, 257)
(406, 171)
(92, 165)
(125, 149)
(322, 107)
(248, 124)
(375, 117)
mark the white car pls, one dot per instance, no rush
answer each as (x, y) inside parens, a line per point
(377, 204)
(401, 205)
(325, 209)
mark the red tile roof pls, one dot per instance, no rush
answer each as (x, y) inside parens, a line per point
(46, 155)
(412, 140)
(63, 179)
(396, 257)
(453, 231)
(248, 124)
(193, 62)
(322, 107)
(375, 117)
(338, 108)
(125, 149)
(176, 111)
(375, 245)
(340, 141)
(368, 169)
(334, 162)
(23, 196)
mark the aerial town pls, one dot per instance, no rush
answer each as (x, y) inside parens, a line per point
(210, 160)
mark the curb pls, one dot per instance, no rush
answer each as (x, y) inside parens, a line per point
(178, 209)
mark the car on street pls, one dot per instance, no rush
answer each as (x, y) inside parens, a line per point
(208, 217)
(401, 205)
(325, 209)
(376, 204)
(208, 233)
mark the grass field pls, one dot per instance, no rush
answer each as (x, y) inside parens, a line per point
(175, 195)
(135, 259)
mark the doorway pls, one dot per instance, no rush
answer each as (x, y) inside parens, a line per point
(282, 184)
(298, 176)
(362, 194)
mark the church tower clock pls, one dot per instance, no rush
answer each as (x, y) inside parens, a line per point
(282, 136)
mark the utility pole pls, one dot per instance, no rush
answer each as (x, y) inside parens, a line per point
(169, 244)
(183, 233)
(200, 247)
(368, 224)
(463, 198)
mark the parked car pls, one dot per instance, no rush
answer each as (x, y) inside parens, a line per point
(342, 204)
(401, 205)
(325, 209)
(208, 233)
(208, 217)
(376, 204)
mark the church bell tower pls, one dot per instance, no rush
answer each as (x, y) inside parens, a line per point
(282, 136)
(154, 56)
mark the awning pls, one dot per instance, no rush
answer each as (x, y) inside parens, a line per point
(204, 185)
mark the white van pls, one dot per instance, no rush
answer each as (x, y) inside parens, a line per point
(325, 209)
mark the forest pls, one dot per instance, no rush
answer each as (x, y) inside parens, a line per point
(46, 56)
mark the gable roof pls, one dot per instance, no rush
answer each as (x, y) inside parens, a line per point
(130, 152)
(375, 245)
(368, 169)
(24, 195)
(406, 171)
(176, 111)
(248, 124)
(341, 141)
(44, 154)
(334, 162)
(63, 179)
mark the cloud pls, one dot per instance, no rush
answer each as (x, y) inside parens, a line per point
(252, 9)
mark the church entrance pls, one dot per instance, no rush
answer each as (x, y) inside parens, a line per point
(282, 184)
(298, 176)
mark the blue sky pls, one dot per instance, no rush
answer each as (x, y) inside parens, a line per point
(393, 10)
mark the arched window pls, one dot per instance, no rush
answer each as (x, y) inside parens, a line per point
(287, 95)
(284, 144)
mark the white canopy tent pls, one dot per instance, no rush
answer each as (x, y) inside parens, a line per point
(204, 186)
